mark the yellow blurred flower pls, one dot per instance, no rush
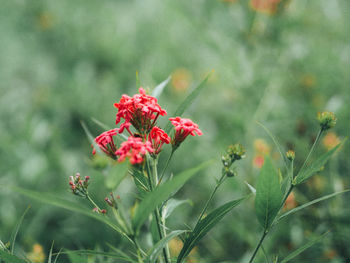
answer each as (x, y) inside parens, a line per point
(290, 202)
(308, 80)
(330, 140)
(175, 246)
(265, 6)
(181, 79)
(330, 254)
(37, 254)
(45, 21)
(261, 146)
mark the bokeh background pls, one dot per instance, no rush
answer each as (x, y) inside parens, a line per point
(278, 62)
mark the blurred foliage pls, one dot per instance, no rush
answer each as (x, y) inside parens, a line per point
(278, 62)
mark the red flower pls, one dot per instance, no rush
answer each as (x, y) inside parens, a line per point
(183, 128)
(158, 137)
(141, 111)
(106, 143)
(134, 148)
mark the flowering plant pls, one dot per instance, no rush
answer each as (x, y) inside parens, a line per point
(145, 228)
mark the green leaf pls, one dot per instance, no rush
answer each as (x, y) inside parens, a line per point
(315, 166)
(172, 204)
(116, 174)
(160, 87)
(205, 225)
(157, 248)
(268, 194)
(15, 231)
(294, 210)
(162, 193)
(8, 258)
(90, 137)
(75, 258)
(188, 101)
(278, 145)
(106, 127)
(54, 200)
(303, 248)
(98, 253)
(140, 180)
(120, 252)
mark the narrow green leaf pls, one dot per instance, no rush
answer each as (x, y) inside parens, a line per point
(106, 127)
(157, 248)
(116, 174)
(294, 210)
(315, 166)
(158, 90)
(188, 101)
(9, 258)
(90, 137)
(75, 258)
(172, 204)
(303, 248)
(54, 200)
(161, 193)
(120, 252)
(205, 225)
(268, 194)
(57, 255)
(50, 254)
(278, 145)
(15, 231)
(140, 180)
(98, 253)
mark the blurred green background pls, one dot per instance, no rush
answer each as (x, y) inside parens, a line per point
(274, 61)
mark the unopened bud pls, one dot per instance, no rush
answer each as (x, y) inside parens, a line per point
(109, 202)
(290, 155)
(326, 119)
(236, 151)
(103, 211)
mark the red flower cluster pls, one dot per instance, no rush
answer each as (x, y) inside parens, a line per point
(106, 143)
(158, 137)
(141, 111)
(183, 128)
(134, 148)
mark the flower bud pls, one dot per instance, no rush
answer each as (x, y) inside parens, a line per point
(290, 155)
(236, 151)
(326, 119)
(109, 202)
(228, 172)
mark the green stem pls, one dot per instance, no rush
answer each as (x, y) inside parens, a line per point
(258, 246)
(159, 211)
(166, 165)
(319, 134)
(92, 201)
(156, 212)
(138, 250)
(221, 180)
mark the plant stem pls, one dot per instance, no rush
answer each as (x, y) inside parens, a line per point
(138, 249)
(92, 201)
(259, 245)
(156, 212)
(166, 165)
(159, 211)
(221, 180)
(319, 134)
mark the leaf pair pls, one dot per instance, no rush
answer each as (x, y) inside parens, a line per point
(205, 225)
